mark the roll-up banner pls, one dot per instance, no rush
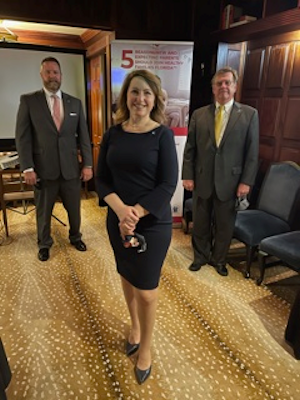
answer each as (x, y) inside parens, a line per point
(172, 62)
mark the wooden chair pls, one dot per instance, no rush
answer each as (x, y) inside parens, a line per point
(12, 189)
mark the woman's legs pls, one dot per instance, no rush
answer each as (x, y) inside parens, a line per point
(128, 289)
(147, 304)
(142, 306)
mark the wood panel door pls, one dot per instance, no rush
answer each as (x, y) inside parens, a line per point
(97, 97)
(289, 146)
(272, 85)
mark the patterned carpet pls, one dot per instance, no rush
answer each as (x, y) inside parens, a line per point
(63, 324)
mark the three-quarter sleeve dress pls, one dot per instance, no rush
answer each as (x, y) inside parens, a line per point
(140, 168)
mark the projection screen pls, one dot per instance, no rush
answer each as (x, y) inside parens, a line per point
(20, 73)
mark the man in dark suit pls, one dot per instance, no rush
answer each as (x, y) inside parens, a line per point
(51, 134)
(219, 167)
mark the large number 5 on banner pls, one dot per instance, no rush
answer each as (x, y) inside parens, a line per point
(128, 59)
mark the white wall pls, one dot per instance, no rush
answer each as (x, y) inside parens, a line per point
(20, 73)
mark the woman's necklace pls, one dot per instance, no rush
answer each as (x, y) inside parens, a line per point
(138, 127)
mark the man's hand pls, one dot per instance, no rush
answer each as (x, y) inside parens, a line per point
(30, 178)
(242, 190)
(188, 184)
(86, 174)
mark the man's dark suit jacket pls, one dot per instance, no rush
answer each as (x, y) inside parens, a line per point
(41, 146)
(234, 161)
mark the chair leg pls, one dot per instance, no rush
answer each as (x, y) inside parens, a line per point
(250, 250)
(262, 266)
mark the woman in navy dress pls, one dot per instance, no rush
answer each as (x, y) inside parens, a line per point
(136, 177)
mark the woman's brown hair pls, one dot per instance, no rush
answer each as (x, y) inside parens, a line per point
(157, 113)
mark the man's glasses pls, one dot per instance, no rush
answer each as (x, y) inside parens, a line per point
(220, 83)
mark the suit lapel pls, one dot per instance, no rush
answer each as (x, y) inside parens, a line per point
(42, 101)
(211, 122)
(67, 108)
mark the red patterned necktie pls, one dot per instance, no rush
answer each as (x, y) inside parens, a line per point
(56, 111)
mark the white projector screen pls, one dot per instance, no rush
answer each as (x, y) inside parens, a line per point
(20, 73)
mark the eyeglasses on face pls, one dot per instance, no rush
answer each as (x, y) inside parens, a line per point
(220, 83)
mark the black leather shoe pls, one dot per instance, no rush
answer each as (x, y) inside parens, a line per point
(221, 269)
(131, 348)
(43, 254)
(79, 245)
(142, 375)
(195, 266)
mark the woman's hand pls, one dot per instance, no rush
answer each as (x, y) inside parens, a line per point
(128, 215)
(128, 219)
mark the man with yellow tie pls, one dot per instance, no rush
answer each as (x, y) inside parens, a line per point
(219, 164)
(50, 133)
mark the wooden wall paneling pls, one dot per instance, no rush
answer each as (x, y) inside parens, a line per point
(232, 55)
(291, 127)
(50, 39)
(290, 135)
(272, 96)
(96, 42)
(229, 54)
(290, 154)
(295, 76)
(251, 101)
(253, 72)
(99, 58)
(253, 78)
(269, 116)
(272, 85)
(222, 55)
(266, 154)
(97, 104)
(277, 69)
(253, 87)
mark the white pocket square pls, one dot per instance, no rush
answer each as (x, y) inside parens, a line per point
(73, 114)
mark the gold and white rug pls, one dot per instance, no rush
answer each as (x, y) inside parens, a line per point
(63, 323)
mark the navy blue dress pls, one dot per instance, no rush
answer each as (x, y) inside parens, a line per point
(5, 372)
(140, 168)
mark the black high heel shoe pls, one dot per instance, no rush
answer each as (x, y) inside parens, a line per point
(130, 349)
(142, 375)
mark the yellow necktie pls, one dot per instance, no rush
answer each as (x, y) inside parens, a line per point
(218, 123)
